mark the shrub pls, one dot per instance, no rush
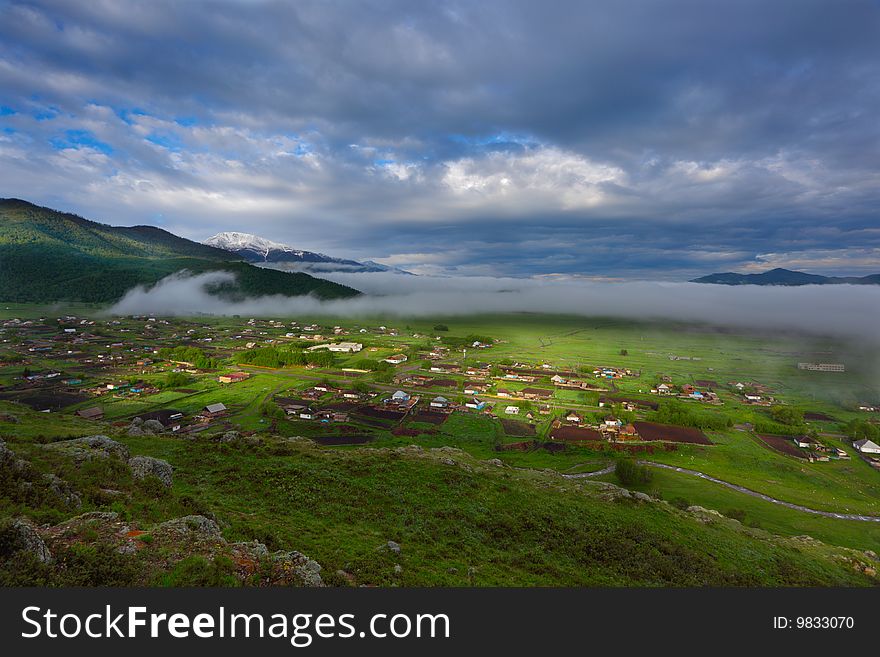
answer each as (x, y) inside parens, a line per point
(199, 571)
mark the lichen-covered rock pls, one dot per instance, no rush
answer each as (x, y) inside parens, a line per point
(92, 447)
(704, 515)
(63, 491)
(21, 536)
(147, 466)
(198, 527)
(295, 569)
(153, 426)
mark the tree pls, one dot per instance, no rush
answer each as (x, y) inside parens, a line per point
(624, 352)
(630, 473)
(441, 327)
(787, 415)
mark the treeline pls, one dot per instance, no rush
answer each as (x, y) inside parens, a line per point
(860, 429)
(186, 354)
(784, 421)
(277, 358)
(674, 412)
(466, 341)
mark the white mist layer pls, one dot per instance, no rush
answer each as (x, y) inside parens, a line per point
(833, 309)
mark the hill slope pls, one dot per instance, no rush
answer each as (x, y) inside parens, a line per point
(458, 522)
(46, 255)
(781, 276)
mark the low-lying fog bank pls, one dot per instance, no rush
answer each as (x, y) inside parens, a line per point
(848, 310)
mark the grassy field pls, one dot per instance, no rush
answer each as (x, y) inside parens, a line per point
(339, 502)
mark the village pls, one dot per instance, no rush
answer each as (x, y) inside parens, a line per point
(357, 384)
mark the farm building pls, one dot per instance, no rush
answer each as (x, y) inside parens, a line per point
(93, 413)
(233, 377)
(537, 393)
(215, 409)
(866, 446)
(822, 367)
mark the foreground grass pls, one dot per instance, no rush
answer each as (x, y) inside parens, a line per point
(462, 522)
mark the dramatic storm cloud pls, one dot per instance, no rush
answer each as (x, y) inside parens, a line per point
(625, 139)
(847, 310)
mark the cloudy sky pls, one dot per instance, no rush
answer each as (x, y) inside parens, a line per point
(624, 139)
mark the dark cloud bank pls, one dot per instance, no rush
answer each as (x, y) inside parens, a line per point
(627, 139)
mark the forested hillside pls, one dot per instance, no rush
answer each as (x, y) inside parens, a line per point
(47, 255)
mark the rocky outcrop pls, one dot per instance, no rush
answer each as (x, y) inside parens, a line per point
(21, 536)
(91, 447)
(147, 466)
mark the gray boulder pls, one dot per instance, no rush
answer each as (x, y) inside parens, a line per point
(296, 569)
(153, 426)
(147, 466)
(26, 539)
(92, 447)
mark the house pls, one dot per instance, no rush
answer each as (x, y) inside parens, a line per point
(93, 413)
(612, 423)
(475, 403)
(504, 392)
(351, 394)
(439, 402)
(233, 377)
(802, 441)
(866, 446)
(544, 409)
(512, 410)
(400, 397)
(215, 409)
(557, 379)
(396, 359)
(663, 389)
(573, 416)
(307, 414)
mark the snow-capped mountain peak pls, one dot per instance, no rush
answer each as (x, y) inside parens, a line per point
(235, 241)
(266, 253)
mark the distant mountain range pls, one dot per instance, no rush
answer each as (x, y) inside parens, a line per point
(266, 253)
(781, 276)
(47, 256)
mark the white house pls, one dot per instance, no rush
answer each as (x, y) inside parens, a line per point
(866, 446)
(396, 359)
(475, 403)
(439, 402)
(557, 379)
(512, 410)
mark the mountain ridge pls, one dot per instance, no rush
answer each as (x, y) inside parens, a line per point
(787, 277)
(277, 255)
(47, 255)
